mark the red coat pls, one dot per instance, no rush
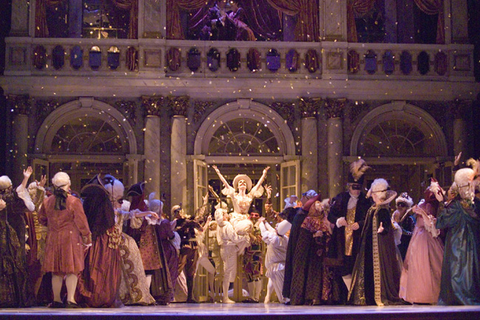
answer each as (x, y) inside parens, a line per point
(67, 232)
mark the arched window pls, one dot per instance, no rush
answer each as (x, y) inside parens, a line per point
(396, 138)
(87, 135)
(243, 137)
(397, 130)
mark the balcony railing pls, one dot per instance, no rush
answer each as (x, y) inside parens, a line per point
(225, 59)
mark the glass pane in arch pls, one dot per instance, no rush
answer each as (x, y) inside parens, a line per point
(243, 137)
(396, 138)
(88, 135)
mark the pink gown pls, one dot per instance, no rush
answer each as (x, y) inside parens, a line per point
(422, 268)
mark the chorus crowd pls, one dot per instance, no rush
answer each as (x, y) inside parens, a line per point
(109, 246)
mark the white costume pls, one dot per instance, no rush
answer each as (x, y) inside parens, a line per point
(229, 242)
(275, 257)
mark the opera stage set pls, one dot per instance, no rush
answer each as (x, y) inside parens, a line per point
(251, 311)
(147, 98)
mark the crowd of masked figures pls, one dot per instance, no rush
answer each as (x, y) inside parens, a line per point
(109, 246)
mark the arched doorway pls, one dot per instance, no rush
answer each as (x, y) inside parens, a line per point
(85, 137)
(402, 143)
(245, 136)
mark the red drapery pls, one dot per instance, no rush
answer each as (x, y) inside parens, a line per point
(307, 27)
(174, 28)
(432, 7)
(41, 29)
(132, 6)
(356, 8)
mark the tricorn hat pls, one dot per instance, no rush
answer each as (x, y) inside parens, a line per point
(136, 189)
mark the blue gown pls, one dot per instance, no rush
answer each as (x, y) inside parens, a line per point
(460, 283)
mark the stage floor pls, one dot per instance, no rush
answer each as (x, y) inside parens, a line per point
(249, 311)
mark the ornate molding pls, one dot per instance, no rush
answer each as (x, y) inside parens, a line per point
(286, 109)
(309, 106)
(459, 107)
(19, 104)
(128, 108)
(152, 105)
(179, 105)
(334, 108)
(200, 108)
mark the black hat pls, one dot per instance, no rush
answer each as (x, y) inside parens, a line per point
(136, 189)
(357, 170)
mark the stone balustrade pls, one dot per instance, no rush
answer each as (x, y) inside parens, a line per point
(226, 59)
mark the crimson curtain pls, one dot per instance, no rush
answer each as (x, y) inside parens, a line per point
(307, 27)
(174, 27)
(432, 7)
(132, 6)
(356, 8)
(41, 28)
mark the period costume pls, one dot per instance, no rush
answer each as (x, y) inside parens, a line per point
(312, 279)
(13, 273)
(376, 273)
(352, 209)
(253, 260)
(276, 240)
(134, 289)
(242, 201)
(37, 235)
(406, 223)
(229, 242)
(164, 278)
(99, 282)
(188, 256)
(422, 268)
(460, 283)
(296, 221)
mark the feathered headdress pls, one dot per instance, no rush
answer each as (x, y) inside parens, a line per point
(357, 170)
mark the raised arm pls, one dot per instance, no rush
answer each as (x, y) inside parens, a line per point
(222, 178)
(214, 194)
(26, 175)
(262, 178)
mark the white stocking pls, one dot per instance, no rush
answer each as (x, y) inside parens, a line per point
(149, 280)
(71, 283)
(226, 284)
(258, 289)
(269, 291)
(57, 281)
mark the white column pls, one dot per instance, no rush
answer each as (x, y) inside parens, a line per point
(333, 20)
(152, 154)
(178, 168)
(459, 22)
(309, 178)
(335, 156)
(152, 18)
(19, 25)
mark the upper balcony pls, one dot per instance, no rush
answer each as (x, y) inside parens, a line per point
(154, 58)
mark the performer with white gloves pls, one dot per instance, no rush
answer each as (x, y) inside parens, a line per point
(277, 242)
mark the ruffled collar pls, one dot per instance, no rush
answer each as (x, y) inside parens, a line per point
(391, 195)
